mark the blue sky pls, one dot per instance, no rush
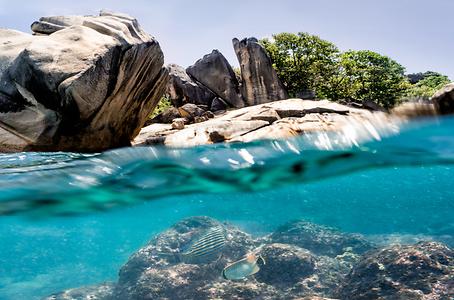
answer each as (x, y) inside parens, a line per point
(417, 33)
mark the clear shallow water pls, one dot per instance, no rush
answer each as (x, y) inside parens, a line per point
(400, 187)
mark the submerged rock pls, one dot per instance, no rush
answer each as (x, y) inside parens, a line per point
(102, 291)
(289, 270)
(421, 271)
(214, 72)
(285, 265)
(320, 240)
(260, 83)
(80, 85)
(182, 89)
(157, 272)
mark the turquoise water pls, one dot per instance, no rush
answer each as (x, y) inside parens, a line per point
(70, 220)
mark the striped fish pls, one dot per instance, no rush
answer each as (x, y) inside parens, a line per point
(207, 247)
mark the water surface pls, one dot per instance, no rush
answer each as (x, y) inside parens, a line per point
(71, 219)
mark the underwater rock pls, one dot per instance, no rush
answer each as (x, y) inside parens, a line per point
(214, 72)
(320, 240)
(280, 119)
(296, 272)
(156, 271)
(421, 271)
(285, 265)
(97, 292)
(260, 83)
(182, 89)
(161, 269)
(444, 100)
(79, 85)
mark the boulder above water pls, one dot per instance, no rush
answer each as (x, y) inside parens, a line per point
(182, 89)
(260, 83)
(215, 73)
(444, 100)
(83, 83)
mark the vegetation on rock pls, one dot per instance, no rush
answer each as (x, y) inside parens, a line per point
(425, 85)
(162, 106)
(307, 62)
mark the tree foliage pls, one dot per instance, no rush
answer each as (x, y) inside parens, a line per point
(163, 104)
(307, 62)
(368, 76)
(425, 85)
(302, 61)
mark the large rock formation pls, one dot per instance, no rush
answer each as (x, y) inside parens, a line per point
(80, 83)
(444, 100)
(182, 89)
(275, 120)
(289, 270)
(214, 72)
(260, 83)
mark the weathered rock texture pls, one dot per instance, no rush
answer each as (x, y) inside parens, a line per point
(422, 271)
(274, 120)
(444, 100)
(156, 272)
(333, 267)
(290, 272)
(81, 84)
(321, 240)
(214, 72)
(260, 83)
(182, 89)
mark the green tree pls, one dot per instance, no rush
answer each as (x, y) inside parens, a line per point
(302, 61)
(368, 76)
(163, 104)
(428, 84)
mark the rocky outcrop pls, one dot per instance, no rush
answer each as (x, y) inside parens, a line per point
(275, 120)
(289, 270)
(421, 271)
(80, 84)
(156, 272)
(182, 89)
(444, 100)
(260, 83)
(215, 73)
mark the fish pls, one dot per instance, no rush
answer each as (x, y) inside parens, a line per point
(207, 246)
(243, 268)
